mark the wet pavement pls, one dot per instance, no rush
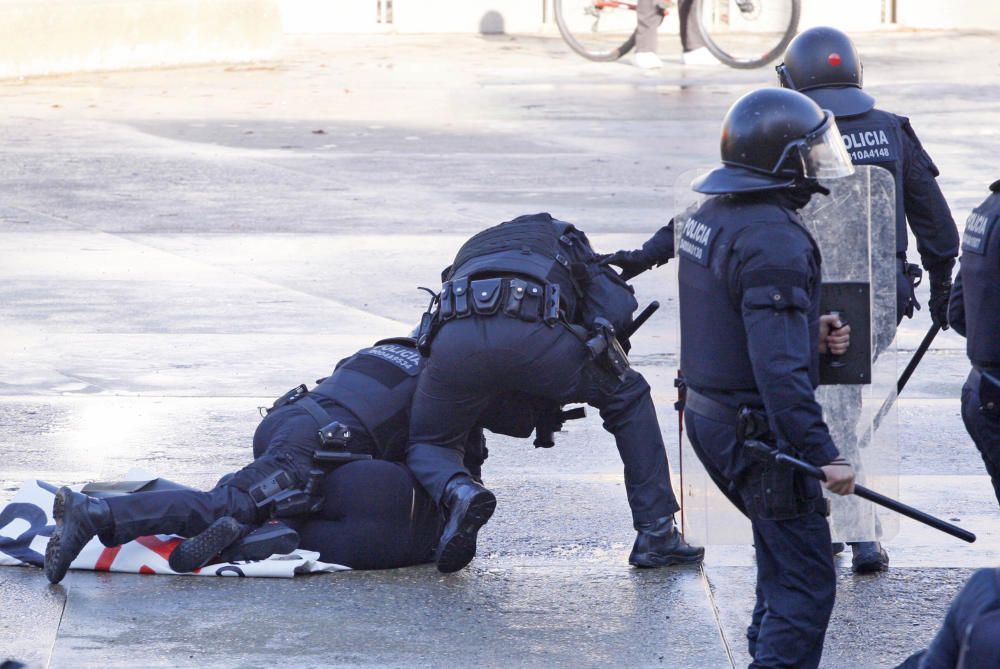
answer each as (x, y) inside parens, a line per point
(178, 247)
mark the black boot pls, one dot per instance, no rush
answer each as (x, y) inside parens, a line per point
(271, 538)
(468, 506)
(869, 557)
(79, 519)
(660, 544)
(197, 551)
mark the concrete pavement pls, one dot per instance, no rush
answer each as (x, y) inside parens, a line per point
(181, 246)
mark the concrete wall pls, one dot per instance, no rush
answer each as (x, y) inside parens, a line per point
(530, 16)
(970, 14)
(39, 37)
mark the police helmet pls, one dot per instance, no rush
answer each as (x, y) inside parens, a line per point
(773, 138)
(824, 64)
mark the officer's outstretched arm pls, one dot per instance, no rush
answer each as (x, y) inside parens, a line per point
(657, 250)
(773, 271)
(956, 306)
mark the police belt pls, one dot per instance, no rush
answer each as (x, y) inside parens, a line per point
(709, 408)
(515, 296)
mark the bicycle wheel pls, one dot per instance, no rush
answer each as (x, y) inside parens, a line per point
(601, 30)
(747, 33)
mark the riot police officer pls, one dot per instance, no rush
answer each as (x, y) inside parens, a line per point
(824, 64)
(360, 412)
(526, 307)
(974, 312)
(749, 278)
(969, 637)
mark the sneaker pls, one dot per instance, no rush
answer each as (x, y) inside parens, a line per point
(647, 60)
(700, 56)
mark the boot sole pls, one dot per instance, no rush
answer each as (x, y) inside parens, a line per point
(52, 549)
(263, 546)
(667, 561)
(869, 567)
(461, 547)
(197, 551)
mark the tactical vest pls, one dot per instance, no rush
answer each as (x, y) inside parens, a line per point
(377, 384)
(714, 352)
(981, 281)
(536, 245)
(876, 138)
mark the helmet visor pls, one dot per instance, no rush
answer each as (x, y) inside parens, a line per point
(823, 153)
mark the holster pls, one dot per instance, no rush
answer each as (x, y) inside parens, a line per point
(770, 489)
(605, 349)
(773, 490)
(912, 275)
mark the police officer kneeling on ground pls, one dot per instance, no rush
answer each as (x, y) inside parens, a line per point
(974, 312)
(750, 341)
(359, 412)
(823, 64)
(526, 307)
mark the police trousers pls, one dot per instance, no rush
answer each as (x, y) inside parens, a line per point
(476, 359)
(984, 428)
(796, 580)
(285, 441)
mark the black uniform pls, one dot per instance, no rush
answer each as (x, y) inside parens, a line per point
(969, 638)
(508, 316)
(749, 298)
(880, 138)
(370, 394)
(974, 312)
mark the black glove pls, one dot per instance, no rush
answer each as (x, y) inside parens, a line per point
(940, 292)
(633, 263)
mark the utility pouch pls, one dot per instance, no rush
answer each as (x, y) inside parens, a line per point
(460, 287)
(533, 302)
(446, 309)
(515, 297)
(486, 294)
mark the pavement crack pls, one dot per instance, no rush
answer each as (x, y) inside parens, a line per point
(715, 614)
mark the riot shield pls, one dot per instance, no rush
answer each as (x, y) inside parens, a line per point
(855, 229)
(707, 516)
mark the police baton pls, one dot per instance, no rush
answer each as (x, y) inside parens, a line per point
(918, 355)
(864, 493)
(641, 319)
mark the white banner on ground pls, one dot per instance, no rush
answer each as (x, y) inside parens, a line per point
(26, 524)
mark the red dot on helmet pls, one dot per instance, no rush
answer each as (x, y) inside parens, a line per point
(833, 59)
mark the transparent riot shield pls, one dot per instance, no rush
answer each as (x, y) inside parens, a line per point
(707, 516)
(855, 230)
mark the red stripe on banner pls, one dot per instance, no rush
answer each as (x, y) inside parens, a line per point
(146, 570)
(158, 546)
(108, 556)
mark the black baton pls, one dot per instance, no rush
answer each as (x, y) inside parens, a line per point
(866, 493)
(917, 357)
(641, 319)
